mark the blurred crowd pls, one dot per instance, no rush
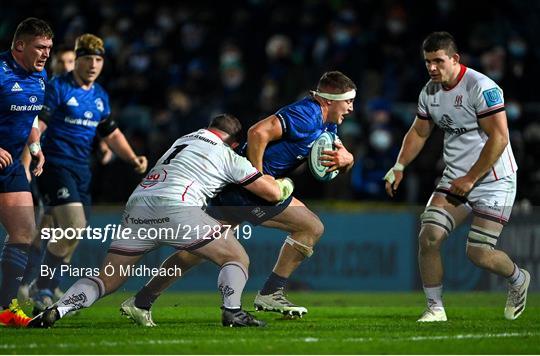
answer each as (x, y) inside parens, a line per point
(171, 66)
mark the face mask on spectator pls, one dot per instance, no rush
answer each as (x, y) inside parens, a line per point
(380, 139)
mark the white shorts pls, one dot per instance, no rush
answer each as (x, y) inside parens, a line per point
(151, 222)
(492, 200)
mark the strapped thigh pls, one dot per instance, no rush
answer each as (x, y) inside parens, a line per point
(482, 237)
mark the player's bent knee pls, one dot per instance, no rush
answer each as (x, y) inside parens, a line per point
(431, 237)
(304, 249)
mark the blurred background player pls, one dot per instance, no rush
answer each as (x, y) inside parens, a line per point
(22, 93)
(76, 107)
(480, 173)
(274, 146)
(62, 62)
(198, 166)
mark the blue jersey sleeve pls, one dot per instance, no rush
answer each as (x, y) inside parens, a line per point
(106, 112)
(298, 121)
(52, 100)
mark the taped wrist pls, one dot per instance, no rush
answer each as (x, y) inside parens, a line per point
(34, 148)
(286, 186)
(390, 176)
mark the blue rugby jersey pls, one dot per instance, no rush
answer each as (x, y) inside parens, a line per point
(302, 123)
(72, 115)
(21, 99)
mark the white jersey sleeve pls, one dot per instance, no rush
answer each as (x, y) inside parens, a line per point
(487, 98)
(422, 108)
(239, 169)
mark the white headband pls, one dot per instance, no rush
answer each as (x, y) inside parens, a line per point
(351, 94)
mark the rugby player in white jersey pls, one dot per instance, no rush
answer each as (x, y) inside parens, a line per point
(479, 178)
(170, 199)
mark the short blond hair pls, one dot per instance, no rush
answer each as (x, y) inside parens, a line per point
(89, 44)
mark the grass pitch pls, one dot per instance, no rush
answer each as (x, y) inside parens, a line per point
(337, 323)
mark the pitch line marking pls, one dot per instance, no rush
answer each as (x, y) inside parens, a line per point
(305, 339)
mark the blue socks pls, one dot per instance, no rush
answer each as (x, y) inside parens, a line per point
(51, 261)
(34, 262)
(14, 260)
(273, 283)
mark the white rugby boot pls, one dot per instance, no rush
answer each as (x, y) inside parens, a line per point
(138, 315)
(433, 314)
(277, 302)
(517, 298)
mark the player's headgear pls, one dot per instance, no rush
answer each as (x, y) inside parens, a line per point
(228, 124)
(32, 27)
(440, 40)
(89, 45)
(335, 85)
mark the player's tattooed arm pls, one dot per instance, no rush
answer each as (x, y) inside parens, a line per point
(259, 135)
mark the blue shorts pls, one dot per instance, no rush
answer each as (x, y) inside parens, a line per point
(15, 180)
(60, 185)
(236, 204)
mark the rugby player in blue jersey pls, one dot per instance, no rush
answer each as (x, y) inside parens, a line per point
(75, 109)
(22, 92)
(276, 145)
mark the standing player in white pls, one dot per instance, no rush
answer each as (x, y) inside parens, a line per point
(170, 199)
(480, 174)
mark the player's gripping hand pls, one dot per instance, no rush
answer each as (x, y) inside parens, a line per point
(5, 158)
(336, 159)
(393, 178)
(462, 186)
(140, 164)
(286, 186)
(39, 158)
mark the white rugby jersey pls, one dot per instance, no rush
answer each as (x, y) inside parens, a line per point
(196, 168)
(457, 111)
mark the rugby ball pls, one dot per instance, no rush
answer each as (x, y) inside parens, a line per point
(325, 142)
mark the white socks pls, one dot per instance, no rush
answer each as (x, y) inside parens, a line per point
(434, 297)
(231, 281)
(517, 278)
(80, 295)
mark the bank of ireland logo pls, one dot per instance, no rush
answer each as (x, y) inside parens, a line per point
(33, 99)
(493, 97)
(99, 104)
(88, 114)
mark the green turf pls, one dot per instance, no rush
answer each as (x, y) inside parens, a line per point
(337, 323)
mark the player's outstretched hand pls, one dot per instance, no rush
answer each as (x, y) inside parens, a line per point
(39, 158)
(5, 158)
(141, 163)
(393, 178)
(336, 159)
